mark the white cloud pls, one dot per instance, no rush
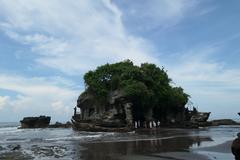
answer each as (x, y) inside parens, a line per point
(197, 65)
(3, 101)
(36, 96)
(145, 15)
(72, 36)
(61, 108)
(212, 86)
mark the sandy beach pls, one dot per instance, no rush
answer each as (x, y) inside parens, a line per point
(105, 151)
(176, 144)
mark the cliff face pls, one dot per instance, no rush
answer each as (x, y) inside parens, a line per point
(117, 112)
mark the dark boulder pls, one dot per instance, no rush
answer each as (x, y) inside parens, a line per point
(14, 147)
(224, 122)
(236, 147)
(35, 122)
(200, 117)
(61, 125)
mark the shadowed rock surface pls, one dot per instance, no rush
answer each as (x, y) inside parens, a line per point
(200, 117)
(60, 125)
(224, 122)
(35, 122)
(116, 115)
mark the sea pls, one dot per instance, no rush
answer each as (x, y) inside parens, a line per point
(150, 144)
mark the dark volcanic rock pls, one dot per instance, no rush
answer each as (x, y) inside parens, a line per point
(35, 122)
(200, 117)
(16, 147)
(236, 147)
(91, 127)
(116, 115)
(1, 148)
(224, 122)
(61, 125)
(15, 155)
(55, 152)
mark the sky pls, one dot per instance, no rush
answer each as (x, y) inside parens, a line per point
(47, 46)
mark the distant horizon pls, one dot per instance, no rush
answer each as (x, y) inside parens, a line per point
(47, 47)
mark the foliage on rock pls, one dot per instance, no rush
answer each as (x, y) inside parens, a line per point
(146, 86)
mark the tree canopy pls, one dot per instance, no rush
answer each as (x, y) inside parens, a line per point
(146, 86)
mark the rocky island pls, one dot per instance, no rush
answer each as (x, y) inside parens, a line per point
(123, 96)
(42, 122)
(35, 122)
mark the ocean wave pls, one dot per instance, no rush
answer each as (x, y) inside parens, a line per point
(8, 124)
(9, 130)
(83, 136)
(73, 138)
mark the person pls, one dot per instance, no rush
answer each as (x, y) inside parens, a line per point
(135, 124)
(236, 147)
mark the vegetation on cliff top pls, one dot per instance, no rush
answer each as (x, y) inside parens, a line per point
(146, 86)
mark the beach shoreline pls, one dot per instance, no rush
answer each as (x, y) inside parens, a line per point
(161, 144)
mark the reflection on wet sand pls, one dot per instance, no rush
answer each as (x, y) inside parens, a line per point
(159, 144)
(111, 150)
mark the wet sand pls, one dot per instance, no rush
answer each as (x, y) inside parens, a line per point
(222, 148)
(184, 145)
(161, 151)
(170, 156)
(160, 144)
(162, 148)
(219, 152)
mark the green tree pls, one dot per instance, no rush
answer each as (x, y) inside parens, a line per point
(146, 86)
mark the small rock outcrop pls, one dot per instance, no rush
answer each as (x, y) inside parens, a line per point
(197, 119)
(224, 122)
(60, 125)
(236, 147)
(200, 117)
(35, 122)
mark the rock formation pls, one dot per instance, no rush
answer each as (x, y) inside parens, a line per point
(123, 96)
(236, 147)
(60, 125)
(219, 122)
(35, 122)
(200, 117)
(115, 115)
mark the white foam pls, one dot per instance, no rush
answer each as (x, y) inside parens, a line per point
(73, 138)
(8, 130)
(86, 135)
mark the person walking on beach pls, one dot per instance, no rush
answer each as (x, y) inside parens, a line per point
(236, 147)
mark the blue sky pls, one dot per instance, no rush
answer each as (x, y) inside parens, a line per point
(47, 46)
